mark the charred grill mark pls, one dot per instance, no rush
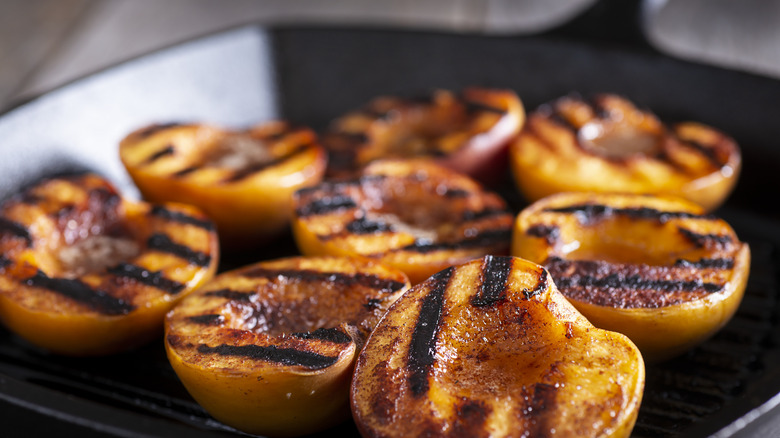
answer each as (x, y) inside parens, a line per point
(101, 205)
(589, 213)
(471, 415)
(556, 117)
(230, 294)
(471, 215)
(371, 304)
(708, 151)
(453, 193)
(326, 205)
(483, 239)
(276, 136)
(27, 197)
(627, 285)
(64, 212)
(335, 187)
(4, 261)
(98, 199)
(704, 263)
(16, 229)
(271, 353)
(168, 150)
(104, 199)
(343, 148)
(422, 348)
(549, 233)
(259, 167)
(705, 240)
(617, 281)
(580, 275)
(182, 218)
(597, 105)
(662, 154)
(540, 287)
(362, 225)
(333, 335)
(163, 243)
(149, 131)
(542, 401)
(493, 281)
(149, 278)
(473, 107)
(374, 113)
(305, 191)
(186, 171)
(97, 300)
(211, 320)
(531, 130)
(379, 284)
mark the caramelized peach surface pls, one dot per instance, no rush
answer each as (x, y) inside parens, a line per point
(609, 145)
(412, 214)
(243, 180)
(270, 348)
(491, 348)
(657, 269)
(468, 132)
(87, 272)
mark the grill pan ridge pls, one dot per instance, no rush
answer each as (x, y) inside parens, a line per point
(265, 72)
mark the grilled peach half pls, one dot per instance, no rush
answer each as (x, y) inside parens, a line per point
(609, 145)
(243, 180)
(413, 214)
(270, 348)
(491, 348)
(657, 269)
(468, 132)
(85, 272)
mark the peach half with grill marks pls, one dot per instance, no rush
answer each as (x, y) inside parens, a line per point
(414, 214)
(84, 271)
(657, 269)
(491, 348)
(609, 145)
(468, 132)
(270, 348)
(243, 180)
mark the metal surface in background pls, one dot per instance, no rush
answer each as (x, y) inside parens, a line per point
(46, 43)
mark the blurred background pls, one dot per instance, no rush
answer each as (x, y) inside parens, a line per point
(47, 43)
